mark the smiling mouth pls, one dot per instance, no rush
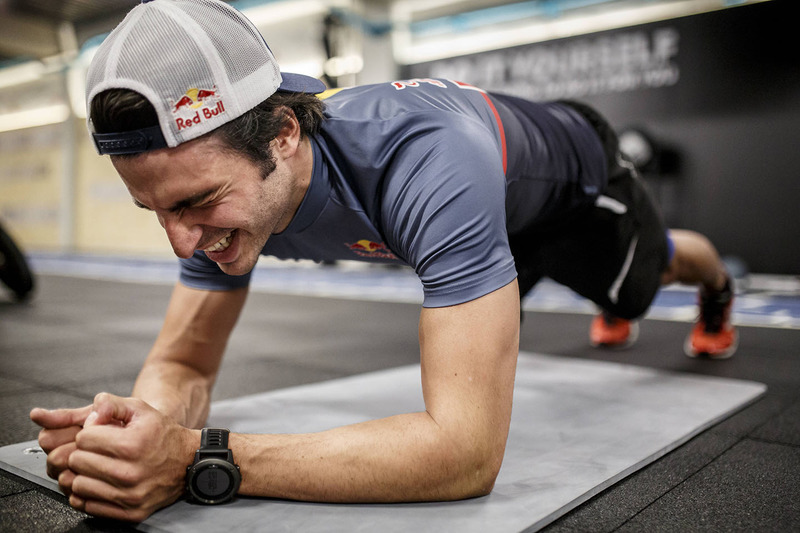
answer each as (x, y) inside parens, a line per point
(221, 244)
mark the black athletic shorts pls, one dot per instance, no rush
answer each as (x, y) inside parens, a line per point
(613, 252)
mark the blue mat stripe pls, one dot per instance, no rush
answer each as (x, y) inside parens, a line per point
(764, 307)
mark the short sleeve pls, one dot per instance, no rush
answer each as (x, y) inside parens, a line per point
(444, 212)
(200, 272)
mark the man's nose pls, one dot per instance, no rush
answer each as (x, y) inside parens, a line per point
(183, 235)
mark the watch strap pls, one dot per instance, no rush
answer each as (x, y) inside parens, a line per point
(214, 439)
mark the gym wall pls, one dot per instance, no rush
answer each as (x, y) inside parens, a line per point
(36, 192)
(720, 90)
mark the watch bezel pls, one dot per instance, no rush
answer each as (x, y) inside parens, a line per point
(230, 469)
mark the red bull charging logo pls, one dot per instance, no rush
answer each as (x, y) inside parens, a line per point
(373, 250)
(196, 106)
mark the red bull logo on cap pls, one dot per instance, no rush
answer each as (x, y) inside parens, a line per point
(196, 106)
(373, 250)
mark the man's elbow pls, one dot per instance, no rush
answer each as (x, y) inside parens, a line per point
(485, 480)
(479, 476)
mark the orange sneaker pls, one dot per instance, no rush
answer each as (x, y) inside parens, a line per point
(713, 335)
(608, 331)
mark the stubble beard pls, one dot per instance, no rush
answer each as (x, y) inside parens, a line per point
(269, 213)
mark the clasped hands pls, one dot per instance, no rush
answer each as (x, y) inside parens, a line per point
(117, 458)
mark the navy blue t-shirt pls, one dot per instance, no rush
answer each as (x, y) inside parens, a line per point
(434, 174)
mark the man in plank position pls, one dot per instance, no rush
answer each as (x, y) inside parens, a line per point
(470, 189)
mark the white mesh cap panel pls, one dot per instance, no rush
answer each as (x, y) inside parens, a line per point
(199, 62)
(239, 66)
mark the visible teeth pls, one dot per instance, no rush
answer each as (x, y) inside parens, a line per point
(221, 245)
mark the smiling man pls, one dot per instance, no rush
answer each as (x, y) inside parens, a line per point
(236, 208)
(238, 160)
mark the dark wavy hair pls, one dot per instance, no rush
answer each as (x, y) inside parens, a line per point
(117, 110)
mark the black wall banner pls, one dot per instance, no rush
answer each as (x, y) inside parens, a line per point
(597, 64)
(720, 91)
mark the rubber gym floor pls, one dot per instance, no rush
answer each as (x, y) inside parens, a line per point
(82, 334)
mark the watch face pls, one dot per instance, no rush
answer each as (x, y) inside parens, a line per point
(213, 481)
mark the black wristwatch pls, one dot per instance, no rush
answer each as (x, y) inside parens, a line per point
(213, 477)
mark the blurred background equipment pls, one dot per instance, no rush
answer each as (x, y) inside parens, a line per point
(14, 270)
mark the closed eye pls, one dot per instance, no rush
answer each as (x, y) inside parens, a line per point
(139, 204)
(196, 200)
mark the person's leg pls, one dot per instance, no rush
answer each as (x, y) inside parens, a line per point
(695, 261)
(691, 259)
(617, 254)
(627, 247)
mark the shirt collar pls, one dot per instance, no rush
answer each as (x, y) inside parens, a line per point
(316, 196)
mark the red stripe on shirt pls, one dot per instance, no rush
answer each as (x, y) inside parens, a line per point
(499, 127)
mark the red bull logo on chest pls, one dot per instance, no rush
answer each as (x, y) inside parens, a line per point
(374, 250)
(196, 106)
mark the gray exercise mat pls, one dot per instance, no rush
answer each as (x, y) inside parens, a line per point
(577, 427)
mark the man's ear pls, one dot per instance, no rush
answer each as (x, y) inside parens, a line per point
(288, 138)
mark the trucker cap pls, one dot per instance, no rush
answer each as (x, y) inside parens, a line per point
(200, 63)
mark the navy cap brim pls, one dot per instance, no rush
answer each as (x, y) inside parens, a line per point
(129, 142)
(299, 83)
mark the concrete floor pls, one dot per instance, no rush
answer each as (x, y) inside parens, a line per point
(80, 336)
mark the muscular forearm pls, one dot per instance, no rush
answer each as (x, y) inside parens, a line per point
(407, 457)
(178, 391)
(179, 372)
